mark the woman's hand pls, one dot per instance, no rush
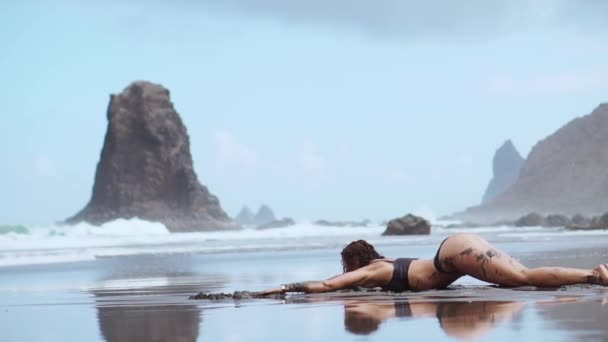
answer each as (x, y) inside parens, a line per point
(600, 275)
(277, 290)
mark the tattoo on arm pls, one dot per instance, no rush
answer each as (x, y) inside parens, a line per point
(298, 287)
(594, 279)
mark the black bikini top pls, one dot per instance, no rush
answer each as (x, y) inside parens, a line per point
(399, 282)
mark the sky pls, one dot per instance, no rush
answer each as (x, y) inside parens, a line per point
(334, 109)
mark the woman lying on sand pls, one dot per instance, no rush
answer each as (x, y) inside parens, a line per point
(458, 255)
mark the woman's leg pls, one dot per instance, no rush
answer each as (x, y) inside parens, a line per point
(472, 255)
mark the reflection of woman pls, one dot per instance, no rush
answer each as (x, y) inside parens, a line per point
(458, 255)
(458, 319)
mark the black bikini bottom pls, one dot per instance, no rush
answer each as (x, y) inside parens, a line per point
(437, 262)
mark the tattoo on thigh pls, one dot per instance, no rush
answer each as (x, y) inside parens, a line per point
(492, 253)
(467, 251)
(485, 258)
(448, 263)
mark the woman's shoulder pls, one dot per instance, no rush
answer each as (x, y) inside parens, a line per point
(381, 260)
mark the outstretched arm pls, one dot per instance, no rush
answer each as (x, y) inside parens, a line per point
(338, 282)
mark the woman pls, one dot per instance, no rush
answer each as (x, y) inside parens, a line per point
(458, 255)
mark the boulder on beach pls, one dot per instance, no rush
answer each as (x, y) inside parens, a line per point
(282, 223)
(145, 169)
(579, 219)
(581, 223)
(556, 220)
(602, 221)
(408, 225)
(530, 220)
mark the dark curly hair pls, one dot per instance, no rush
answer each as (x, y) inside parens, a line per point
(358, 254)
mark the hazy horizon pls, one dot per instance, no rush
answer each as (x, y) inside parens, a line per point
(321, 110)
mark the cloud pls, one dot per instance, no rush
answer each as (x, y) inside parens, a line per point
(232, 152)
(559, 83)
(385, 17)
(443, 20)
(426, 18)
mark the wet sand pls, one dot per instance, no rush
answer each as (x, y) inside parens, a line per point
(145, 298)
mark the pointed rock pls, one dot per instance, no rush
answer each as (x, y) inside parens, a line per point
(506, 165)
(264, 215)
(564, 174)
(145, 169)
(245, 217)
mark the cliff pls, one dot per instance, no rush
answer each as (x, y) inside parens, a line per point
(145, 169)
(564, 174)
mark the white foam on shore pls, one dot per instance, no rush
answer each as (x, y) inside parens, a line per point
(497, 229)
(84, 242)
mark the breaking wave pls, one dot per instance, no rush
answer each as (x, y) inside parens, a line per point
(24, 245)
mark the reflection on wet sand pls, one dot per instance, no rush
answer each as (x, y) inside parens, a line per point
(146, 300)
(462, 320)
(587, 318)
(149, 323)
(147, 314)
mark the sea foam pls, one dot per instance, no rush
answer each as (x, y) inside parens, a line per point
(81, 242)
(23, 245)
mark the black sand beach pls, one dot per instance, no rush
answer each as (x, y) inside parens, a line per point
(145, 298)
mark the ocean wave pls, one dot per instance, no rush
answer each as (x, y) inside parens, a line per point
(24, 245)
(495, 229)
(13, 229)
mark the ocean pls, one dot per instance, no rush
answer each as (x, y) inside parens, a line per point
(27, 244)
(130, 280)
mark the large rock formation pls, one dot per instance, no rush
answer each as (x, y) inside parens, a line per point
(566, 173)
(506, 165)
(245, 217)
(145, 169)
(264, 215)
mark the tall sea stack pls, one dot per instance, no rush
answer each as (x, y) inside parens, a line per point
(566, 173)
(506, 166)
(145, 169)
(245, 217)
